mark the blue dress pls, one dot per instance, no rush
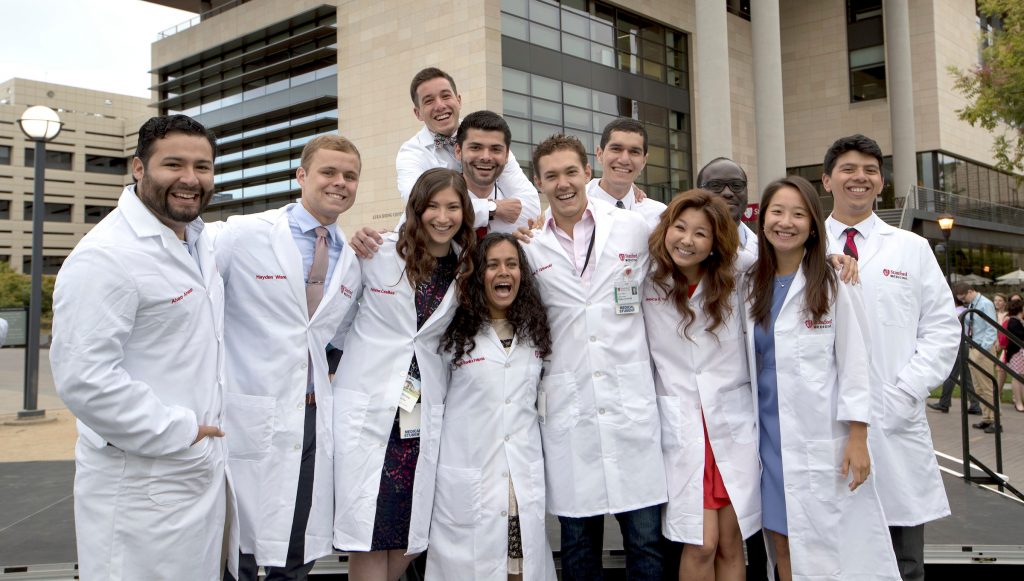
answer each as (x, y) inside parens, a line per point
(773, 498)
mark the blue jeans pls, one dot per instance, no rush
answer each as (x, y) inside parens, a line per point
(583, 543)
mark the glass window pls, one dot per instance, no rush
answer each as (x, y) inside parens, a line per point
(5, 209)
(53, 212)
(5, 155)
(546, 88)
(543, 36)
(575, 46)
(54, 159)
(516, 105)
(93, 214)
(106, 164)
(515, 27)
(544, 12)
(517, 7)
(514, 80)
(576, 95)
(575, 23)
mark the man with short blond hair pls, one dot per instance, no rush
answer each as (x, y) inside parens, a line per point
(290, 285)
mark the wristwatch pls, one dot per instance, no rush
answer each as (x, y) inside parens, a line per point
(492, 207)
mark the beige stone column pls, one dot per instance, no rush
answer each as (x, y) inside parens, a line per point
(768, 109)
(714, 115)
(900, 88)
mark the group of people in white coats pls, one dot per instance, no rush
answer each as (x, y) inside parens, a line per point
(665, 365)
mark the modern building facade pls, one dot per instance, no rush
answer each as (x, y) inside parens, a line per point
(86, 166)
(769, 83)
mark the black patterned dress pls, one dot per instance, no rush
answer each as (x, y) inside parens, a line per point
(394, 500)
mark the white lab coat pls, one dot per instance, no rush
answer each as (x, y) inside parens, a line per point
(269, 340)
(649, 208)
(498, 225)
(490, 432)
(748, 243)
(704, 375)
(600, 430)
(378, 349)
(823, 380)
(915, 335)
(418, 154)
(137, 356)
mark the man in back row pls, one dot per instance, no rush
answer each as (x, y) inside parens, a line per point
(437, 103)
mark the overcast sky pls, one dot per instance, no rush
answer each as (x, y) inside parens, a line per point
(95, 44)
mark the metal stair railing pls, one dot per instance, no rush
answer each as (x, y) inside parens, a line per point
(967, 388)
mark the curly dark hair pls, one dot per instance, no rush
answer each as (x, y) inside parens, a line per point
(526, 315)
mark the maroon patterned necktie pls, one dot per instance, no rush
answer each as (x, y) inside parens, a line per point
(850, 249)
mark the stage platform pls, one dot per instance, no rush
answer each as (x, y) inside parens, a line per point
(37, 534)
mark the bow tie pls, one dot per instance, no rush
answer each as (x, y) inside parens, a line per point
(443, 140)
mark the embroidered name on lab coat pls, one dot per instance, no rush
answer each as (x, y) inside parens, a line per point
(543, 268)
(468, 361)
(346, 291)
(826, 324)
(629, 256)
(181, 296)
(897, 274)
(271, 277)
(382, 291)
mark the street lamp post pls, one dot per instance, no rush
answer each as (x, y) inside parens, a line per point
(946, 225)
(39, 124)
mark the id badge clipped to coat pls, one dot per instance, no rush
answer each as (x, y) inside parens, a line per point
(627, 293)
(409, 409)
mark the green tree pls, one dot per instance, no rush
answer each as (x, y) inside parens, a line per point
(995, 88)
(16, 290)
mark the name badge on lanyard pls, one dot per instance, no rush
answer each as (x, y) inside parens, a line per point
(627, 293)
(410, 394)
(409, 423)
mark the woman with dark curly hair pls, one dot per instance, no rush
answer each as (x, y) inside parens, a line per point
(389, 393)
(488, 517)
(694, 318)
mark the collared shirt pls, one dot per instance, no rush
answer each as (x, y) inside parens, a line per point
(837, 230)
(979, 329)
(596, 192)
(193, 230)
(576, 246)
(303, 226)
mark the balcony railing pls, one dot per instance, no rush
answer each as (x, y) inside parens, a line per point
(199, 18)
(929, 200)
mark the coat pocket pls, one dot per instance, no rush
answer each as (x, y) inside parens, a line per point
(901, 411)
(824, 461)
(350, 409)
(181, 477)
(816, 356)
(671, 422)
(636, 390)
(558, 402)
(458, 496)
(738, 408)
(249, 423)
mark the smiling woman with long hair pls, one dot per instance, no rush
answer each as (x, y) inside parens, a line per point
(807, 339)
(488, 517)
(694, 320)
(389, 393)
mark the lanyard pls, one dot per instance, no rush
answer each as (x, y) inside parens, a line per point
(590, 249)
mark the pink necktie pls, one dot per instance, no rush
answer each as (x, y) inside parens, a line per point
(317, 272)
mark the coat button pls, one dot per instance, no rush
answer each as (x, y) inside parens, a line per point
(300, 406)
(508, 401)
(508, 364)
(303, 365)
(601, 411)
(597, 374)
(593, 339)
(504, 513)
(504, 474)
(507, 438)
(297, 446)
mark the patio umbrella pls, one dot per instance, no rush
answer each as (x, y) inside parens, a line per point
(1012, 278)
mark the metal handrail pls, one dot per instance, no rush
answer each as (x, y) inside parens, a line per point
(967, 389)
(939, 202)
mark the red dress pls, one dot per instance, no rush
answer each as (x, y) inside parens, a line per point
(715, 495)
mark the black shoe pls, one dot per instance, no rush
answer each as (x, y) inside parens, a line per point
(939, 407)
(974, 410)
(991, 429)
(982, 424)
